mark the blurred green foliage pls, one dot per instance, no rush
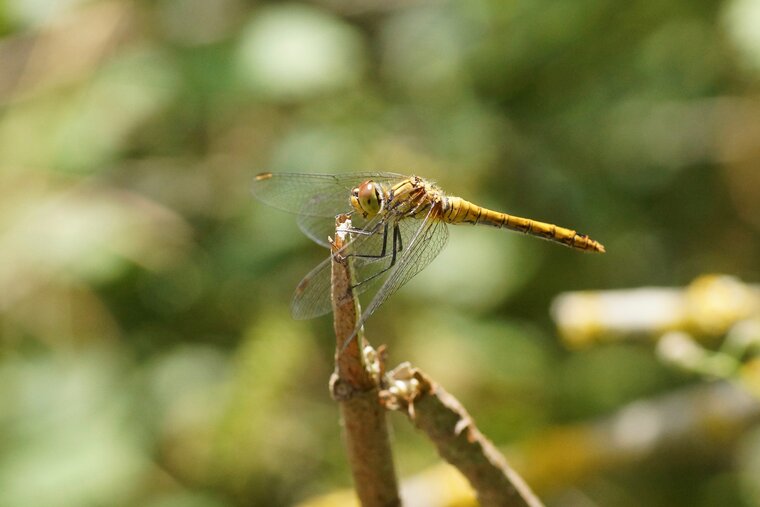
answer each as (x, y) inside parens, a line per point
(147, 356)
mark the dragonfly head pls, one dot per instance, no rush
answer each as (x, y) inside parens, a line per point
(367, 199)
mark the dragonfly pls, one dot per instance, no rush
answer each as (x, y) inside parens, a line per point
(398, 226)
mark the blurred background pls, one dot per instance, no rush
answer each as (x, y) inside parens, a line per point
(147, 354)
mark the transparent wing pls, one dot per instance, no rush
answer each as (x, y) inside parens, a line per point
(318, 195)
(371, 267)
(313, 294)
(312, 297)
(427, 242)
(317, 228)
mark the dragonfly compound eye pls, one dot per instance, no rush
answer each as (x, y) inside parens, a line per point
(366, 198)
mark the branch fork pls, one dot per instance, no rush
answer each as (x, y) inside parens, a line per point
(364, 392)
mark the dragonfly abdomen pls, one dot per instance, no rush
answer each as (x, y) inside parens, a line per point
(460, 211)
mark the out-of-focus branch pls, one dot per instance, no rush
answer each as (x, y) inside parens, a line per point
(709, 307)
(712, 309)
(356, 389)
(458, 440)
(695, 423)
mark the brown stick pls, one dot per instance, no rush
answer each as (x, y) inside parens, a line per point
(356, 389)
(452, 430)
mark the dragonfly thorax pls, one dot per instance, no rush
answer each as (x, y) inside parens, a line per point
(367, 199)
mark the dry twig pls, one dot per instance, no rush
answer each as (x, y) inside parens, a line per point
(458, 440)
(356, 389)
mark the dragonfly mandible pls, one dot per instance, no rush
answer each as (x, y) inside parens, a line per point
(399, 225)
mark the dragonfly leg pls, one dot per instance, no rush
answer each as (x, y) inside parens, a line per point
(364, 232)
(353, 230)
(395, 249)
(382, 252)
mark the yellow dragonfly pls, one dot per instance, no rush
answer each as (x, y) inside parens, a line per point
(398, 226)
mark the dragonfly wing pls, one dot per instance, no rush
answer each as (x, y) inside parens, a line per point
(427, 241)
(421, 242)
(312, 297)
(313, 294)
(317, 228)
(319, 195)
